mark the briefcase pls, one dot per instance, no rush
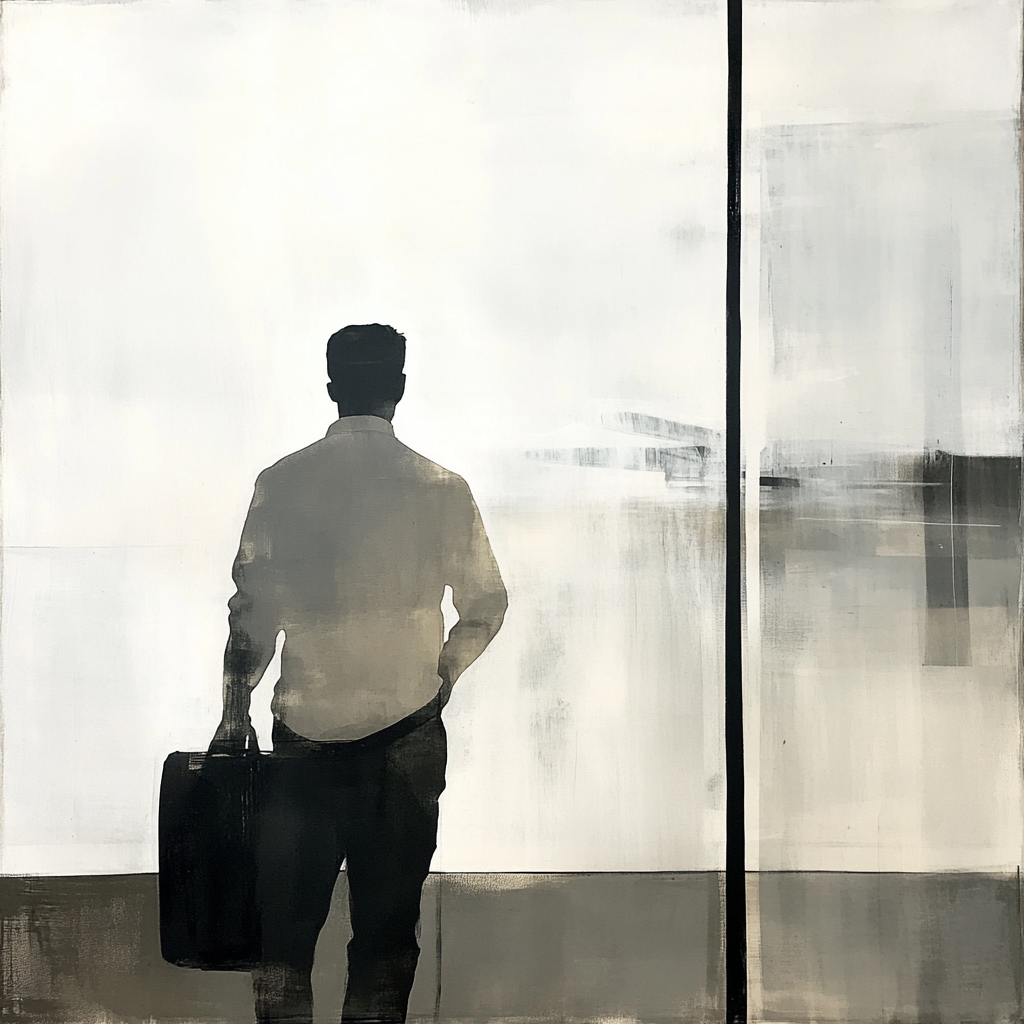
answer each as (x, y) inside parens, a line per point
(209, 825)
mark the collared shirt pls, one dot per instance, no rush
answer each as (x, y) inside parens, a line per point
(347, 547)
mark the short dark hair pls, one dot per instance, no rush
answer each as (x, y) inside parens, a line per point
(365, 363)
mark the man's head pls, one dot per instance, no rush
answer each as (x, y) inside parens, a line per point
(364, 363)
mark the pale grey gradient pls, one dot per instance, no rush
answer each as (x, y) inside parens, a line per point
(882, 319)
(891, 277)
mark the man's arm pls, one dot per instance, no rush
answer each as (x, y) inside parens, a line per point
(252, 627)
(477, 589)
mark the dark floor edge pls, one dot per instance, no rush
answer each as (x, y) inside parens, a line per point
(667, 873)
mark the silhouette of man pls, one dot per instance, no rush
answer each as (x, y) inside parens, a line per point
(347, 547)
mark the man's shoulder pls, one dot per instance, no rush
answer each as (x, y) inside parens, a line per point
(414, 462)
(296, 460)
(401, 460)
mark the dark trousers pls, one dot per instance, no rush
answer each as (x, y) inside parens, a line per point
(374, 803)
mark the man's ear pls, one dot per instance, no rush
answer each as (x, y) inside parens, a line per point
(400, 390)
(330, 391)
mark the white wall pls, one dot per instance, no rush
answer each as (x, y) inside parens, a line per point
(194, 197)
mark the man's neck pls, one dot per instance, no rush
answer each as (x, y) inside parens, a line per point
(384, 413)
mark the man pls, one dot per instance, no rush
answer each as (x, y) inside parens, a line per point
(348, 547)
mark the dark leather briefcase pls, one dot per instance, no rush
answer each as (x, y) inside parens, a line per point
(209, 822)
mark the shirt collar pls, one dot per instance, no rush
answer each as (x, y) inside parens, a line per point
(353, 424)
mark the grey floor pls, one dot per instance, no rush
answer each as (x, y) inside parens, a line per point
(625, 947)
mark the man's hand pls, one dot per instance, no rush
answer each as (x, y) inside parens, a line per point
(230, 736)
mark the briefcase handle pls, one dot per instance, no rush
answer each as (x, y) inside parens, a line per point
(253, 741)
(252, 747)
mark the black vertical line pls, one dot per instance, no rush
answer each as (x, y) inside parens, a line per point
(1020, 497)
(438, 948)
(1020, 944)
(735, 839)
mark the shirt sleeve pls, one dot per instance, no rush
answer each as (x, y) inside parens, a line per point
(478, 591)
(252, 620)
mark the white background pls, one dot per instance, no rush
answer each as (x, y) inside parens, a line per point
(194, 197)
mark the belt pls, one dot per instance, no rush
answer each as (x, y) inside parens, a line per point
(293, 741)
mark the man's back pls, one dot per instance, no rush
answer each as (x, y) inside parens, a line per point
(348, 546)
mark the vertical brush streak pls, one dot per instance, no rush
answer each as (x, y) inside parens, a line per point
(1020, 942)
(735, 860)
(437, 949)
(952, 560)
(953, 384)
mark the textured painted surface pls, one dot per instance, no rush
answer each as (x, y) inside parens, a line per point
(886, 383)
(875, 752)
(861, 947)
(887, 947)
(542, 947)
(890, 285)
